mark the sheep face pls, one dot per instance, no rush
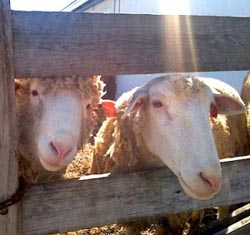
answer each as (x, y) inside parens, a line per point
(50, 115)
(177, 129)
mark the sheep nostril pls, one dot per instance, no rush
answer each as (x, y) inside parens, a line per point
(60, 150)
(53, 148)
(211, 181)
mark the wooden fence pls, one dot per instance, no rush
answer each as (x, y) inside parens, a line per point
(38, 44)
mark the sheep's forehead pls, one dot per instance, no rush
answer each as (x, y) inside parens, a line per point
(48, 85)
(180, 86)
(85, 86)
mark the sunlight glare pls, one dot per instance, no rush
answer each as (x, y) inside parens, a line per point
(181, 38)
(174, 7)
(39, 5)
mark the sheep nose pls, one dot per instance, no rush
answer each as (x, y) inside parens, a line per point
(62, 146)
(212, 182)
(59, 150)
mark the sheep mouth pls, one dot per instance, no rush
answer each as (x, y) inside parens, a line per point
(57, 164)
(50, 166)
(194, 193)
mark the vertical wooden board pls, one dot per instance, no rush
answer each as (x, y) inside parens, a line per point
(9, 224)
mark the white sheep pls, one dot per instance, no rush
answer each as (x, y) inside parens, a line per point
(166, 122)
(231, 133)
(54, 118)
(245, 95)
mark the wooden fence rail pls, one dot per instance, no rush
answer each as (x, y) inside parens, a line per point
(74, 204)
(47, 44)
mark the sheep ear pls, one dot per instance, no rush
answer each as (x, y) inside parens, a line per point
(109, 108)
(136, 101)
(17, 85)
(229, 105)
(227, 99)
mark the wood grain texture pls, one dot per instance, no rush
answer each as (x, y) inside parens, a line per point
(47, 44)
(74, 204)
(238, 218)
(9, 224)
(244, 230)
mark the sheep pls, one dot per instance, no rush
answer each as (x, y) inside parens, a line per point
(245, 95)
(231, 135)
(54, 118)
(230, 132)
(162, 123)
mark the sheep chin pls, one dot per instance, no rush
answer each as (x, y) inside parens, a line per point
(196, 194)
(57, 165)
(48, 166)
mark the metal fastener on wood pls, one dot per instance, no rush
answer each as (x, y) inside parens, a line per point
(15, 198)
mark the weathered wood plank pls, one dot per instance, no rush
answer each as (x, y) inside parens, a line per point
(47, 44)
(244, 230)
(9, 224)
(237, 219)
(240, 228)
(74, 204)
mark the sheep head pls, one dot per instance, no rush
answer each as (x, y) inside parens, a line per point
(177, 128)
(54, 118)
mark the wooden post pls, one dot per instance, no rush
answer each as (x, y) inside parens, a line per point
(9, 223)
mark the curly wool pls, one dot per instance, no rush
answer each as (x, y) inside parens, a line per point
(27, 119)
(119, 146)
(230, 134)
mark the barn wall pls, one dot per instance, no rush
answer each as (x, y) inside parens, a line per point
(107, 6)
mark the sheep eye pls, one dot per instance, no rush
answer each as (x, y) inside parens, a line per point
(213, 110)
(88, 106)
(157, 104)
(34, 93)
